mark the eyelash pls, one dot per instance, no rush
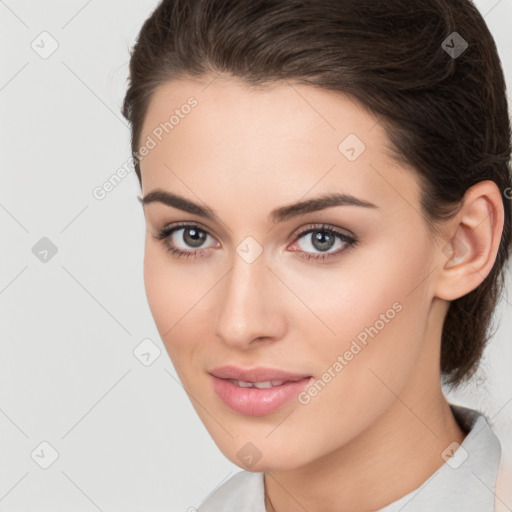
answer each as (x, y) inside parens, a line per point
(165, 234)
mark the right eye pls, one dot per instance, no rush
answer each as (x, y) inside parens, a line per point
(192, 234)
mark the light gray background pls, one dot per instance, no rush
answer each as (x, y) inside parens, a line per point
(126, 434)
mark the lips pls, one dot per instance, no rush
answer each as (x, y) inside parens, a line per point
(259, 374)
(256, 391)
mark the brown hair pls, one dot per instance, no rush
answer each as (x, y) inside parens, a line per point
(445, 114)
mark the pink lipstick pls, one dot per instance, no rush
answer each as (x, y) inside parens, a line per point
(256, 391)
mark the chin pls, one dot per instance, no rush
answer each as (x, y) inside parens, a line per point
(257, 458)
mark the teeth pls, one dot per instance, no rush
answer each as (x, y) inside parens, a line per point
(242, 383)
(263, 385)
(259, 385)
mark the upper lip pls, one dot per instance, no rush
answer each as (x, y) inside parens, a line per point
(258, 374)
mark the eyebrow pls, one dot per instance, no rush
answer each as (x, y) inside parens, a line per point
(280, 214)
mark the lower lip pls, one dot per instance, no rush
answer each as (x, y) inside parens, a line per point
(254, 401)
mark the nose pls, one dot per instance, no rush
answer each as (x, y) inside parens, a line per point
(249, 305)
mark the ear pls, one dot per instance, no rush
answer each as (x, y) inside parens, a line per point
(474, 236)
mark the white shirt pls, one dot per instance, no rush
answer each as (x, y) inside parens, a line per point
(465, 482)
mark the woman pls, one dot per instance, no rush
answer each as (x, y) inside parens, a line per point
(327, 193)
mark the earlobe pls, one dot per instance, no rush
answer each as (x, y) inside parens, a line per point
(468, 257)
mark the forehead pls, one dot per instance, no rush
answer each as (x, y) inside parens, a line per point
(296, 112)
(276, 141)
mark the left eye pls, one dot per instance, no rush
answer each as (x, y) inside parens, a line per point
(324, 237)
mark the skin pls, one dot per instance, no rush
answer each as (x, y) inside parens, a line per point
(378, 429)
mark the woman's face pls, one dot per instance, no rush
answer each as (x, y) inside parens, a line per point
(357, 324)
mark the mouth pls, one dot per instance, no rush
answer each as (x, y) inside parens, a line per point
(259, 392)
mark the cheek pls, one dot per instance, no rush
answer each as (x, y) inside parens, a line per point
(165, 290)
(159, 295)
(175, 299)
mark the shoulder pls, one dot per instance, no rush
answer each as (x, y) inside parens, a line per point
(243, 492)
